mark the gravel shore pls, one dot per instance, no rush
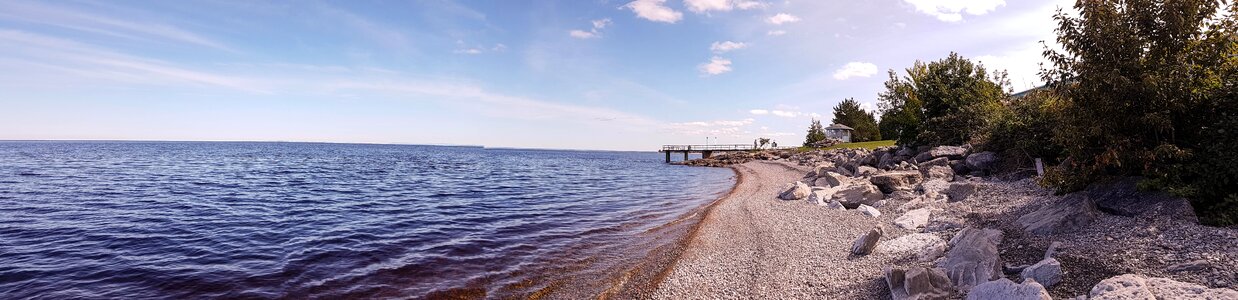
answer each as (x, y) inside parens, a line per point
(753, 245)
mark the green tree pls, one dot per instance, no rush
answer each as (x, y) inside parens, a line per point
(848, 112)
(815, 133)
(1150, 90)
(945, 102)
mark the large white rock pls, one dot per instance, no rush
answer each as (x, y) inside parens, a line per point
(1004, 289)
(858, 193)
(869, 210)
(897, 181)
(911, 244)
(829, 179)
(795, 191)
(914, 219)
(1133, 286)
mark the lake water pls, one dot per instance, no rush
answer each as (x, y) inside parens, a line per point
(185, 220)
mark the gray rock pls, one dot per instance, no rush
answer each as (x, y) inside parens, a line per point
(1124, 198)
(949, 152)
(829, 179)
(820, 169)
(835, 205)
(1132, 286)
(917, 283)
(858, 193)
(1004, 289)
(983, 161)
(1067, 215)
(911, 244)
(1047, 272)
(973, 257)
(865, 171)
(960, 191)
(905, 151)
(940, 161)
(914, 219)
(959, 167)
(1190, 266)
(897, 181)
(867, 242)
(869, 210)
(938, 172)
(938, 223)
(795, 191)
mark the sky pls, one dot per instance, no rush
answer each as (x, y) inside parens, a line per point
(572, 74)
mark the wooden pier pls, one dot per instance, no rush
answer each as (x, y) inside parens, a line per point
(706, 151)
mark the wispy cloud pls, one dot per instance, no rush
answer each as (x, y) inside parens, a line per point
(704, 6)
(776, 32)
(715, 66)
(381, 34)
(595, 32)
(654, 10)
(855, 69)
(39, 13)
(712, 128)
(782, 18)
(952, 10)
(727, 46)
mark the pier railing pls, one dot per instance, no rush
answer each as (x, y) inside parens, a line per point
(723, 147)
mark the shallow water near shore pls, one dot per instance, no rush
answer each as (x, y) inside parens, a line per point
(303, 220)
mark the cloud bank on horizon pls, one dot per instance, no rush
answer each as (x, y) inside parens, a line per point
(620, 75)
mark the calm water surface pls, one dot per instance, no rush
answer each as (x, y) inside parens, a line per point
(301, 220)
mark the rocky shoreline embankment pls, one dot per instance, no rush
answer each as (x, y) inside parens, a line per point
(940, 225)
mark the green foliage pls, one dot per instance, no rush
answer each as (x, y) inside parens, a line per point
(848, 112)
(865, 145)
(816, 133)
(1022, 129)
(945, 102)
(1148, 88)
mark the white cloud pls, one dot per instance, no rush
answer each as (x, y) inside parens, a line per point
(713, 128)
(37, 12)
(782, 18)
(759, 112)
(855, 69)
(470, 51)
(654, 10)
(581, 34)
(595, 32)
(785, 114)
(776, 32)
(952, 10)
(723, 47)
(715, 66)
(703, 6)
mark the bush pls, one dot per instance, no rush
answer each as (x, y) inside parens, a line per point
(1022, 129)
(945, 102)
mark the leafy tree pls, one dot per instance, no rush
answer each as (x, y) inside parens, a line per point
(815, 133)
(945, 102)
(848, 112)
(1150, 90)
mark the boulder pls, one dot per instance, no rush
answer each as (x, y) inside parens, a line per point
(1124, 198)
(960, 191)
(917, 283)
(820, 197)
(867, 242)
(795, 191)
(1133, 286)
(869, 210)
(905, 151)
(973, 257)
(858, 193)
(1047, 272)
(887, 162)
(983, 161)
(820, 169)
(897, 181)
(1067, 215)
(938, 172)
(940, 161)
(959, 167)
(949, 152)
(914, 219)
(865, 171)
(829, 179)
(1004, 289)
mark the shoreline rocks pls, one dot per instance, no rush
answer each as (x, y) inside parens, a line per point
(973, 258)
(867, 242)
(1068, 215)
(795, 191)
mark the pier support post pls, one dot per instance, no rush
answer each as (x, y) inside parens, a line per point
(668, 157)
(707, 154)
(685, 156)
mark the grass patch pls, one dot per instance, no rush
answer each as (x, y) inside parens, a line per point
(865, 145)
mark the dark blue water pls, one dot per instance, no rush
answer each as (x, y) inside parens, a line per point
(300, 220)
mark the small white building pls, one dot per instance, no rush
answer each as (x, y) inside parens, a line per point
(839, 132)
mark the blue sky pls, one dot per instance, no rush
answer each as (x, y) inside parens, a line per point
(615, 75)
